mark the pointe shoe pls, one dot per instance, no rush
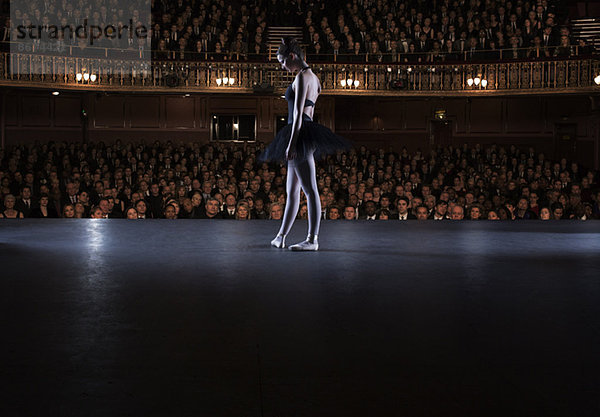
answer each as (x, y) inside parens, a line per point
(279, 241)
(306, 245)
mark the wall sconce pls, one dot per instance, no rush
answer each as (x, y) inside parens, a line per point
(349, 82)
(597, 79)
(85, 77)
(477, 81)
(225, 81)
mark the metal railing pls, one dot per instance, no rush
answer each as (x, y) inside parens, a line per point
(546, 75)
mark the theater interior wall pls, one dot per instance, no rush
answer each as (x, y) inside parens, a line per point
(566, 125)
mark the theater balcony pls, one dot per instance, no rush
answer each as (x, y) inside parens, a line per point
(110, 71)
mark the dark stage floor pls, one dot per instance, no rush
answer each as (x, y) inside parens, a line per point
(199, 318)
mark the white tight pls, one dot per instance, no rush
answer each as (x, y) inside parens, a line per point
(302, 174)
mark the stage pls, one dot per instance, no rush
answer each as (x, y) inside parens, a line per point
(204, 318)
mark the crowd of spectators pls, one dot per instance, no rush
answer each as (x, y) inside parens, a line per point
(347, 31)
(225, 181)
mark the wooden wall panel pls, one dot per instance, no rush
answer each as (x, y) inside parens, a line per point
(109, 112)
(524, 115)
(12, 110)
(35, 111)
(265, 114)
(342, 110)
(67, 111)
(418, 113)
(179, 113)
(202, 112)
(391, 113)
(485, 116)
(234, 104)
(585, 152)
(456, 110)
(143, 112)
(360, 113)
(325, 111)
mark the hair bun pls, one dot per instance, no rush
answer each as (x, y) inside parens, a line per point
(288, 41)
(289, 45)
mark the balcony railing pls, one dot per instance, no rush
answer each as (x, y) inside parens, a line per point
(574, 74)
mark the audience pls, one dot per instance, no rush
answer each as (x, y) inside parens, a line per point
(348, 31)
(225, 181)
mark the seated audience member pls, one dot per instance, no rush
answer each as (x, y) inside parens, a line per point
(80, 211)
(275, 211)
(228, 211)
(131, 213)
(370, 211)
(457, 213)
(97, 213)
(557, 211)
(422, 213)
(9, 211)
(25, 203)
(349, 213)
(187, 209)
(211, 209)
(545, 214)
(242, 211)
(440, 211)
(402, 205)
(333, 213)
(384, 214)
(259, 211)
(475, 213)
(44, 210)
(142, 209)
(492, 215)
(170, 212)
(68, 211)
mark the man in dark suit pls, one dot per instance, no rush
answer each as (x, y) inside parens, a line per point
(155, 201)
(548, 39)
(25, 202)
(212, 209)
(370, 209)
(230, 207)
(71, 197)
(423, 44)
(440, 211)
(402, 205)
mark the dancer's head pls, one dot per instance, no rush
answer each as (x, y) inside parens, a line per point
(290, 55)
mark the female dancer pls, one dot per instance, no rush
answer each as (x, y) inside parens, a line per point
(300, 142)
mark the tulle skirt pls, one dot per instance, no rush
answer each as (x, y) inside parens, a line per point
(313, 138)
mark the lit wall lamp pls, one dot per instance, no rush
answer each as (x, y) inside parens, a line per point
(225, 81)
(349, 82)
(85, 77)
(477, 81)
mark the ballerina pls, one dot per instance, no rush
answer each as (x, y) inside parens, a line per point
(300, 142)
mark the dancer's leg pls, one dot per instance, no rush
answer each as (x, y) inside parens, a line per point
(291, 205)
(307, 174)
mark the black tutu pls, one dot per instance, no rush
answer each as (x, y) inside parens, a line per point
(312, 137)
